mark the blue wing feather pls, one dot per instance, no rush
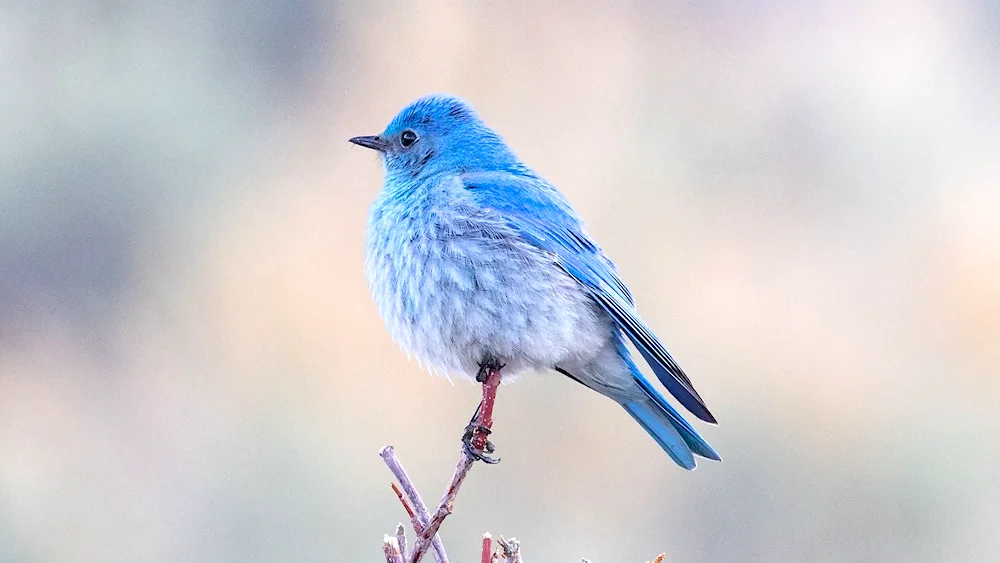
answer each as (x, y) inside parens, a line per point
(545, 220)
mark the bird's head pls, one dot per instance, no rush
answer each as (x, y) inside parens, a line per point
(435, 134)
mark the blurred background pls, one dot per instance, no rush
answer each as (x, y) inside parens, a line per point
(803, 198)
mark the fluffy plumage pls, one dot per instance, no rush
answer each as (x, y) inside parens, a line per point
(471, 256)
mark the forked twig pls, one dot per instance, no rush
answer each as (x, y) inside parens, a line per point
(424, 524)
(421, 516)
(483, 423)
(446, 506)
(418, 526)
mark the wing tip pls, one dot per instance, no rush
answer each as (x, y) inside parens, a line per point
(688, 397)
(708, 416)
(715, 457)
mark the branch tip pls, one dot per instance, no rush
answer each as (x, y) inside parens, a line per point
(487, 552)
(390, 547)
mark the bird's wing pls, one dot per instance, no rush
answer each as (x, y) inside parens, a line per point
(543, 218)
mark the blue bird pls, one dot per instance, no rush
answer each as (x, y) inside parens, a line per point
(472, 258)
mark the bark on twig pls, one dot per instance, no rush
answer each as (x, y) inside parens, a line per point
(487, 553)
(422, 517)
(445, 508)
(401, 540)
(391, 549)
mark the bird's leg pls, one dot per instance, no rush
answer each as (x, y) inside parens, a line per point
(475, 440)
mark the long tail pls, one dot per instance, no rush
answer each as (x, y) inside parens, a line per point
(674, 434)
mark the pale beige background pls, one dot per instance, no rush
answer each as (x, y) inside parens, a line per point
(803, 198)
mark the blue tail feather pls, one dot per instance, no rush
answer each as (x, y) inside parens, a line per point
(691, 437)
(665, 434)
(662, 421)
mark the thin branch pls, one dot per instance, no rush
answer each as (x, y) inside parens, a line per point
(401, 540)
(445, 508)
(390, 547)
(388, 454)
(487, 552)
(414, 521)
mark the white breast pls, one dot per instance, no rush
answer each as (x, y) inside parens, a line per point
(454, 284)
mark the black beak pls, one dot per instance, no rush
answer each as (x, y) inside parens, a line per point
(370, 141)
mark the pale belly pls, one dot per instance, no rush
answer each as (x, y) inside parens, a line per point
(455, 301)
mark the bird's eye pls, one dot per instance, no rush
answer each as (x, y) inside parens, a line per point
(407, 138)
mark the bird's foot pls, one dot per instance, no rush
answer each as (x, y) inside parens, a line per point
(478, 433)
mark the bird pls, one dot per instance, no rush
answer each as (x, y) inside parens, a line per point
(474, 259)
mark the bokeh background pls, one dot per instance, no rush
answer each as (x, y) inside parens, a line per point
(804, 198)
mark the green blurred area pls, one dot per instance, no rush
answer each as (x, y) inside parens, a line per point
(803, 198)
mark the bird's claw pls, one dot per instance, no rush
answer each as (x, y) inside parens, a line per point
(469, 447)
